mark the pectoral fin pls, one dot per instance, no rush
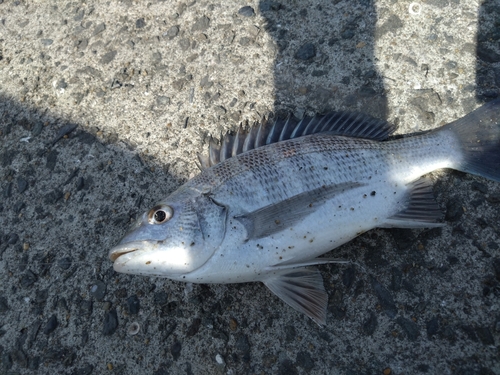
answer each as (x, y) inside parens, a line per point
(420, 209)
(276, 217)
(302, 289)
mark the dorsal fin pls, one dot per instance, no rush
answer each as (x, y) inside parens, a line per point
(339, 123)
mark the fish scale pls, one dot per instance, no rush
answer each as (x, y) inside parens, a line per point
(268, 204)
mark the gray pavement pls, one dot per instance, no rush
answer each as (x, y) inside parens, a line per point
(103, 108)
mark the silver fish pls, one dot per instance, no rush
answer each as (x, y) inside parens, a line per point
(269, 203)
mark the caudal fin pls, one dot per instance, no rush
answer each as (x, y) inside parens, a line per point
(479, 135)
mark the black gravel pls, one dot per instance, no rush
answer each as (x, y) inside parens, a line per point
(110, 322)
(51, 325)
(246, 11)
(306, 52)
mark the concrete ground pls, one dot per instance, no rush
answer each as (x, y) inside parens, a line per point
(104, 106)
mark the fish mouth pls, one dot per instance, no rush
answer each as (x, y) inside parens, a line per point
(125, 248)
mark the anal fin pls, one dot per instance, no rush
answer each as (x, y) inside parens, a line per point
(302, 289)
(421, 209)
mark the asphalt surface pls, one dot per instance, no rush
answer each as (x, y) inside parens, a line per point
(104, 107)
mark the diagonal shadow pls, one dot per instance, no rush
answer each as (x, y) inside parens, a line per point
(488, 52)
(323, 64)
(55, 174)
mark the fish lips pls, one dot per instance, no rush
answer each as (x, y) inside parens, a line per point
(151, 258)
(125, 248)
(127, 257)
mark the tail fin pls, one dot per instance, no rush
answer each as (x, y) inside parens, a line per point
(479, 134)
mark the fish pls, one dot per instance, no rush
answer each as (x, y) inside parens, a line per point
(270, 201)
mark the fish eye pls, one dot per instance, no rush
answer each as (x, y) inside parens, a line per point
(160, 214)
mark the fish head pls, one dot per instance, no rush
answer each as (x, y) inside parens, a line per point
(173, 238)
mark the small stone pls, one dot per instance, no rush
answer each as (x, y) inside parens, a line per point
(110, 322)
(99, 29)
(28, 279)
(305, 361)
(7, 191)
(242, 343)
(175, 350)
(485, 335)
(184, 44)
(85, 307)
(64, 263)
(454, 210)
(79, 15)
(156, 57)
(47, 42)
(12, 238)
(194, 327)
(246, 11)
(51, 325)
(61, 84)
(432, 327)
(22, 185)
(493, 198)
(140, 23)
(370, 324)
(268, 360)
(205, 82)
(19, 206)
(85, 370)
(306, 52)
(41, 296)
(172, 32)
(496, 267)
(392, 24)
(244, 41)
(108, 57)
(64, 132)
(82, 44)
(37, 129)
(266, 6)
(6, 360)
(385, 298)
(348, 277)
(347, 34)
(80, 183)
(409, 327)
(233, 324)
(451, 65)
(366, 91)
(486, 54)
(53, 196)
(51, 160)
(98, 290)
(220, 110)
(20, 358)
(3, 304)
(220, 360)
(201, 24)
(133, 305)
(290, 333)
(479, 186)
(7, 157)
(160, 298)
(287, 367)
(162, 101)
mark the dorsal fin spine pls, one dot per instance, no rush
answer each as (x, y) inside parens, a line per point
(336, 123)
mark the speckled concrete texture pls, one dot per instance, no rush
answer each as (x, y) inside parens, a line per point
(103, 108)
